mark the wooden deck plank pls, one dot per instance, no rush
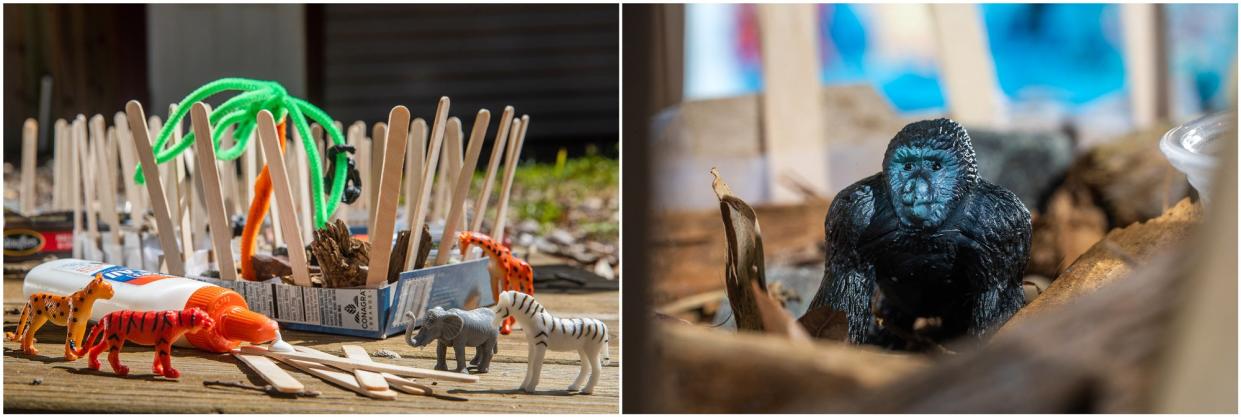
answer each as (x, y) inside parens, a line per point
(72, 387)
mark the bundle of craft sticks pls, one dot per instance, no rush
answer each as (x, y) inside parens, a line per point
(182, 220)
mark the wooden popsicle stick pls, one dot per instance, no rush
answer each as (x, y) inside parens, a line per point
(367, 379)
(514, 157)
(465, 175)
(271, 373)
(350, 365)
(378, 137)
(30, 143)
(105, 172)
(444, 178)
(128, 161)
(424, 191)
(456, 168)
(249, 172)
(88, 184)
(228, 175)
(326, 373)
(497, 150)
(298, 181)
(58, 164)
(415, 157)
(393, 381)
(209, 178)
(75, 194)
(284, 198)
(146, 157)
(389, 190)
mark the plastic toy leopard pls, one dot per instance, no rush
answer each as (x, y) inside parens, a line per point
(72, 312)
(159, 328)
(515, 274)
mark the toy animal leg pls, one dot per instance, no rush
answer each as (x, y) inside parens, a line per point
(507, 327)
(28, 339)
(22, 321)
(441, 350)
(114, 358)
(994, 307)
(163, 354)
(483, 356)
(73, 337)
(584, 360)
(536, 367)
(94, 355)
(459, 351)
(594, 372)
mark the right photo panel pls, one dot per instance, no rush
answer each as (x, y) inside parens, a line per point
(930, 208)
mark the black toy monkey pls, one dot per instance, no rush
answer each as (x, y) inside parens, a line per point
(925, 238)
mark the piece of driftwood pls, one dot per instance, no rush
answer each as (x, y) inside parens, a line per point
(703, 370)
(342, 258)
(743, 273)
(1116, 256)
(424, 248)
(398, 256)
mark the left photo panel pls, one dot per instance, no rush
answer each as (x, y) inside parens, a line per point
(327, 208)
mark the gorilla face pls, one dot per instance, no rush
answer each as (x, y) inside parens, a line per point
(923, 184)
(929, 166)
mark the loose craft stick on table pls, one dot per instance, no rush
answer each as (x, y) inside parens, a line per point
(497, 150)
(271, 372)
(284, 198)
(395, 382)
(350, 365)
(30, 143)
(325, 373)
(221, 233)
(389, 187)
(146, 157)
(367, 379)
(428, 169)
(510, 166)
(464, 175)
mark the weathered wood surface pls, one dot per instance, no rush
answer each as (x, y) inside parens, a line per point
(72, 387)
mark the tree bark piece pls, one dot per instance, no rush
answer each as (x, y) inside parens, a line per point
(712, 371)
(745, 256)
(342, 258)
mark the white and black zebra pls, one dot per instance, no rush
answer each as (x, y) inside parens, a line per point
(589, 337)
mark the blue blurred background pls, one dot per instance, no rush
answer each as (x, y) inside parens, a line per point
(1067, 57)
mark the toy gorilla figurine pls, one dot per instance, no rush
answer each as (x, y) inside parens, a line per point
(936, 241)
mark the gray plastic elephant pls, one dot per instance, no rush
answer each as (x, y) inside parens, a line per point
(457, 328)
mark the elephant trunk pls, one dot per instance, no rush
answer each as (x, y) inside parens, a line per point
(421, 339)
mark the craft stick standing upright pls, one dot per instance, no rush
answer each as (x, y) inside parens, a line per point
(228, 176)
(104, 173)
(444, 179)
(424, 192)
(298, 183)
(30, 143)
(73, 168)
(462, 188)
(378, 137)
(284, 198)
(510, 168)
(389, 187)
(221, 233)
(137, 202)
(497, 150)
(88, 186)
(364, 169)
(150, 171)
(58, 164)
(415, 158)
(249, 172)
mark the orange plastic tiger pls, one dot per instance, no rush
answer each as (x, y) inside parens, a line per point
(72, 311)
(515, 274)
(159, 328)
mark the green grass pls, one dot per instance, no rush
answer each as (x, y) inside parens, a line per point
(552, 194)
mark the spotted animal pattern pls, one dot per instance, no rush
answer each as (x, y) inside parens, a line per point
(159, 328)
(72, 311)
(507, 272)
(589, 337)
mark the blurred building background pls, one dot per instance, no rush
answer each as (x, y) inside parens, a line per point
(557, 63)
